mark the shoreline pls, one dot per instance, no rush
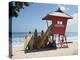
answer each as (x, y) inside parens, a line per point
(20, 41)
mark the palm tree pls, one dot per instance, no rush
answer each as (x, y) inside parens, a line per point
(15, 7)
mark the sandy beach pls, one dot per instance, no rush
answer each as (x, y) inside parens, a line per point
(18, 52)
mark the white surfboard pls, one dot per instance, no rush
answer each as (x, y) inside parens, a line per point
(27, 40)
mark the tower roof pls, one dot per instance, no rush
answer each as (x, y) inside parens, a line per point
(59, 13)
(59, 10)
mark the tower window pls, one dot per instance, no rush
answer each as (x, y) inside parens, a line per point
(59, 22)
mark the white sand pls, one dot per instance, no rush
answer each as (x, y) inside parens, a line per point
(72, 50)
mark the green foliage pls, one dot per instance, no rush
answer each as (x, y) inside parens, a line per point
(15, 7)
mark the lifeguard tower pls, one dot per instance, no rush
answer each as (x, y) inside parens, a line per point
(58, 27)
(57, 30)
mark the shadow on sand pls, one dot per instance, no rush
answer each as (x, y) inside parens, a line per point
(39, 50)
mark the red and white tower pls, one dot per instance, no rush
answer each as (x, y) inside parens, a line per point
(59, 22)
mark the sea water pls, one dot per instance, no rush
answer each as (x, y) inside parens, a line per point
(19, 37)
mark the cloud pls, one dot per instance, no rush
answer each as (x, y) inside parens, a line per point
(63, 8)
(72, 24)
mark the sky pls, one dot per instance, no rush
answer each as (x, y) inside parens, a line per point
(30, 18)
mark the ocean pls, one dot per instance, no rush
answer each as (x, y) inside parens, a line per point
(18, 37)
